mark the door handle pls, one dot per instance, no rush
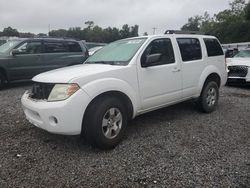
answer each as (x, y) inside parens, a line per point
(176, 69)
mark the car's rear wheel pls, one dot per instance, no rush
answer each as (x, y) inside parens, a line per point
(2, 80)
(209, 97)
(105, 122)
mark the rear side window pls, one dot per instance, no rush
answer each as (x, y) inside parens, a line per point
(54, 47)
(73, 47)
(213, 47)
(190, 49)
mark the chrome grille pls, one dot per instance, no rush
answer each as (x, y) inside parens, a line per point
(237, 71)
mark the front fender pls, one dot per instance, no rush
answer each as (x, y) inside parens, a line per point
(100, 86)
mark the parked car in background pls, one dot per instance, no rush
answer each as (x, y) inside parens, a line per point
(2, 41)
(24, 58)
(231, 52)
(94, 50)
(239, 67)
(123, 80)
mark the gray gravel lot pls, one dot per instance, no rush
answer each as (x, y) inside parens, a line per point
(173, 147)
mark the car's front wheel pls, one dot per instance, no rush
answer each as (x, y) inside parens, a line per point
(105, 122)
(209, 97)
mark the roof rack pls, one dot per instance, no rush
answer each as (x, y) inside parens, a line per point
(58, 38)
(184, 32)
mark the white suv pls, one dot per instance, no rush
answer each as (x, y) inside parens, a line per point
(123, 80)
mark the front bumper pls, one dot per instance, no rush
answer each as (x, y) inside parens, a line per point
(61, 117)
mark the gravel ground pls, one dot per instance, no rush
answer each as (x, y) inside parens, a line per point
(173, 147)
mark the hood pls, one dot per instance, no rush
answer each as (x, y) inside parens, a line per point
(238, 61)
(66, 74)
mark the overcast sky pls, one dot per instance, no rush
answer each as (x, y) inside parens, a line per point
(35, 15)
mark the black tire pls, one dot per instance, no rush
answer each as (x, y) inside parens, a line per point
(2, 80)
(93, 130)
(206, 103)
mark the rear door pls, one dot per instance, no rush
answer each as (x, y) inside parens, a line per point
(77, 53)
(192, 63)
(54, 54)
(59, 54)
(27, 63)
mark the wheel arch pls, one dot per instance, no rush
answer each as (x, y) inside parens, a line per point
(118, 94)
(211, 73)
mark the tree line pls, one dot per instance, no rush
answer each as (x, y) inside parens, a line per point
(231, 25)
(94, 33)
(91, 33)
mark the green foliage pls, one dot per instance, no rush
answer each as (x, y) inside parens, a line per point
(10, 32)
(194, 24)
(247, 12)
(94, 33)
(230, 25)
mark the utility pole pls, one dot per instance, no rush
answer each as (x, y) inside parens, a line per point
(154, 29)
(48, 29)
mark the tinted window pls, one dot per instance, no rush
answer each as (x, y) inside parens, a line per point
(30, 47)
(190, 49)
(73, 47)
(160, 46)
(213, 47)
(54, 47)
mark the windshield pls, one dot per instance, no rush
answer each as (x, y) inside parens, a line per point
(9, 45)
(117, 53)
(243, 53)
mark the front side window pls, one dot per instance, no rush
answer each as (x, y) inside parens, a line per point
(117, 53)
(213, 47)
(54, 47)
(30, 47)
(160, 46)
(190, 49)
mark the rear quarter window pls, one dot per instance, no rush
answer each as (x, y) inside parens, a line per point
(190, 49)
(213, 47)
(73, 47)
(54, 47)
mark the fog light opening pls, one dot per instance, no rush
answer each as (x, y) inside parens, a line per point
(53, 120)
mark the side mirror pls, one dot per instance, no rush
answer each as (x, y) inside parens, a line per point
(15, 52)
(151, 60)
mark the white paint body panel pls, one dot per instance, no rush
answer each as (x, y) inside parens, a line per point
(147, 88)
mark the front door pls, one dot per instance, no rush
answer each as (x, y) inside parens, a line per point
(161, 82)
(27, 62)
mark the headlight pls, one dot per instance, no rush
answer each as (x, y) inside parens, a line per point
(62, 91)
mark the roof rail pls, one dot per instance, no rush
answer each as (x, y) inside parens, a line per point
(58, 38)
(184, 32)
